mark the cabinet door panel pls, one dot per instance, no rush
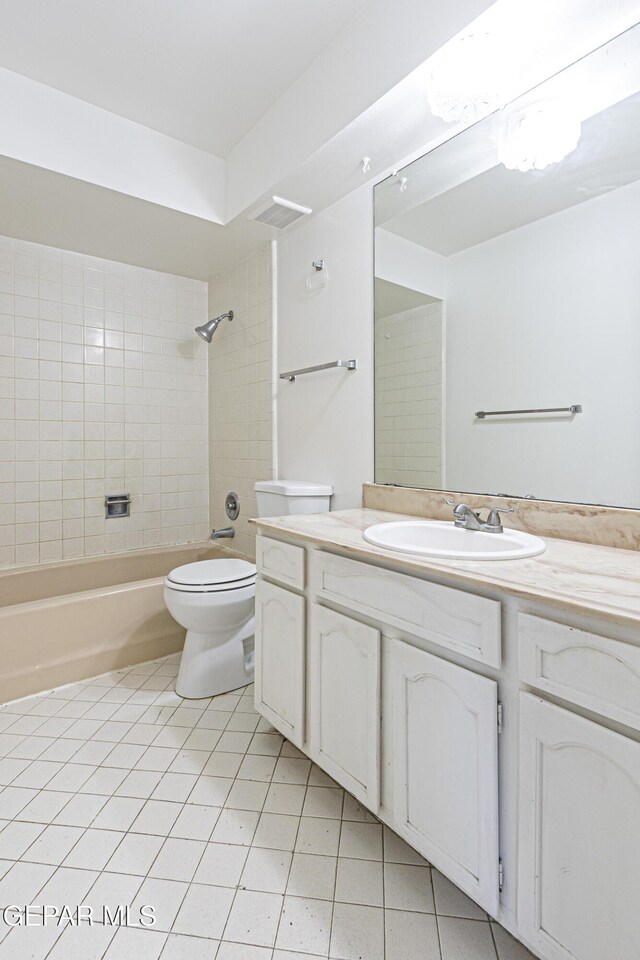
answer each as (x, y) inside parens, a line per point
(445, 770)
(344, 702)
(280, 659)
(579, 848)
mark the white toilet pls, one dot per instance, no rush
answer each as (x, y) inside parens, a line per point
(215, 600)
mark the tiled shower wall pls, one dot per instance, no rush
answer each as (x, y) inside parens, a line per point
(240, 391)
(103, 389)
(409, 397)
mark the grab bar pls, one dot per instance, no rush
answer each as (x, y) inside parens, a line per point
(291, 375)
(574, 408)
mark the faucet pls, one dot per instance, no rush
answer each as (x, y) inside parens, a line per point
(222, 532)
(468, 519)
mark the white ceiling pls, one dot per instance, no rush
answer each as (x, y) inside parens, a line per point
(202, 71)
(290, 94)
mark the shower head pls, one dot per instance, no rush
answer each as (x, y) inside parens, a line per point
(207, 330)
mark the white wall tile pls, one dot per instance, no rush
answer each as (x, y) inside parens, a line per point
(408, 397)
(98, 360)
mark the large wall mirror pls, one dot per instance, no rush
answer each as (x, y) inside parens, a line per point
(507, 297)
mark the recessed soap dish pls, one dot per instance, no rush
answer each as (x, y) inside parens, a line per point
(117, 505)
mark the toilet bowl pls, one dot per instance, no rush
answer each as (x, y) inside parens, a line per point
(215, 601)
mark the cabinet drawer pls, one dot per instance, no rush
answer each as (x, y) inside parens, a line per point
(595, 672)
(280, 561)
(451, 618)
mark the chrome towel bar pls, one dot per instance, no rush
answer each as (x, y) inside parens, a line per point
(291, 375)
(574, 408)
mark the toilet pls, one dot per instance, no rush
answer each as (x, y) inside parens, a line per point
(215, 600)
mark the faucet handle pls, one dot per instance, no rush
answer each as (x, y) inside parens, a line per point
(494, 520)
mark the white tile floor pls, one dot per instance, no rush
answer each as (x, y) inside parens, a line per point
(116, 791)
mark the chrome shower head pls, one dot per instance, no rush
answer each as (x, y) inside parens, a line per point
(207, 330)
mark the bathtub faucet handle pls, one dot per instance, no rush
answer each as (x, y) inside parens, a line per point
(222, 532)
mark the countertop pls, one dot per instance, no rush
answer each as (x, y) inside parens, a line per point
(583, 577)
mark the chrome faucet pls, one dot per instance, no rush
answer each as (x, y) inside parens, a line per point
(222, 532)
(468, 519)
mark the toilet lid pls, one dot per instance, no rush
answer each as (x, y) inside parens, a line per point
(205, 573)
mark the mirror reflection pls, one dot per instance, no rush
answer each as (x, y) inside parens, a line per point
(507, 297)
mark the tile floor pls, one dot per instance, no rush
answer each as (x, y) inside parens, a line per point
(116, 791)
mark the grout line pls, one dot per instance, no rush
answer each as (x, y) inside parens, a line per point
(493, 940)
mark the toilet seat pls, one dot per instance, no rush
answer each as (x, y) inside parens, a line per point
(212, 576)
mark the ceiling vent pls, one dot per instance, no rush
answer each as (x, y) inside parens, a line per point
(280, 213)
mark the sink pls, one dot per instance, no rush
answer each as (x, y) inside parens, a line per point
(439, 538)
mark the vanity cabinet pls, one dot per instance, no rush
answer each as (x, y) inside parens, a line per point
(579, 849)
(393, 684)
(436, 721)
(280, 659)
(444, 754)
(343, 690)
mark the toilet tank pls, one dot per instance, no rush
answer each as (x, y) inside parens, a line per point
(279, 498)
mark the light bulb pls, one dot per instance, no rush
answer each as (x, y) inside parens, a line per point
(542, 134)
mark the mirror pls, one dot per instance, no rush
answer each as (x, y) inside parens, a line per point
(507, 297)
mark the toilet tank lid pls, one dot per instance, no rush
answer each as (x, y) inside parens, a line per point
(294, 488)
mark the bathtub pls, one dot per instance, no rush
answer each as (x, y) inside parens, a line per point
(62, 622)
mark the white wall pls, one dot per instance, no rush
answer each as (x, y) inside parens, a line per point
(325, 420)
(103, 389)
(241, 392)
(549, 315)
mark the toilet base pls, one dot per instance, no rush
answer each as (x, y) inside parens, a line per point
(207, 670)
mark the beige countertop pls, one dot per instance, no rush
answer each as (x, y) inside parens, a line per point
(583, 577)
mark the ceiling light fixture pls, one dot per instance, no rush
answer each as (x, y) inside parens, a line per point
(465, 79)
(541, 134)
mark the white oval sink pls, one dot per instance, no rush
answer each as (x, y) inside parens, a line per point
(440, 538)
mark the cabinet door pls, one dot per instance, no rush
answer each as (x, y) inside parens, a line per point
(579, 846)
(445, 767)
(280, 656)
(344, 702)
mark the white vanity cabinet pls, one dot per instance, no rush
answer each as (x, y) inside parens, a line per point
(443, 745)
(579, 836)
(393, 682)
(435, 722)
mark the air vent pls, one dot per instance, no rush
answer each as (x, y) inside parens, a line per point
(280, 213)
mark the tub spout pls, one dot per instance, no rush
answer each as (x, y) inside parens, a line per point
(223, 532)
